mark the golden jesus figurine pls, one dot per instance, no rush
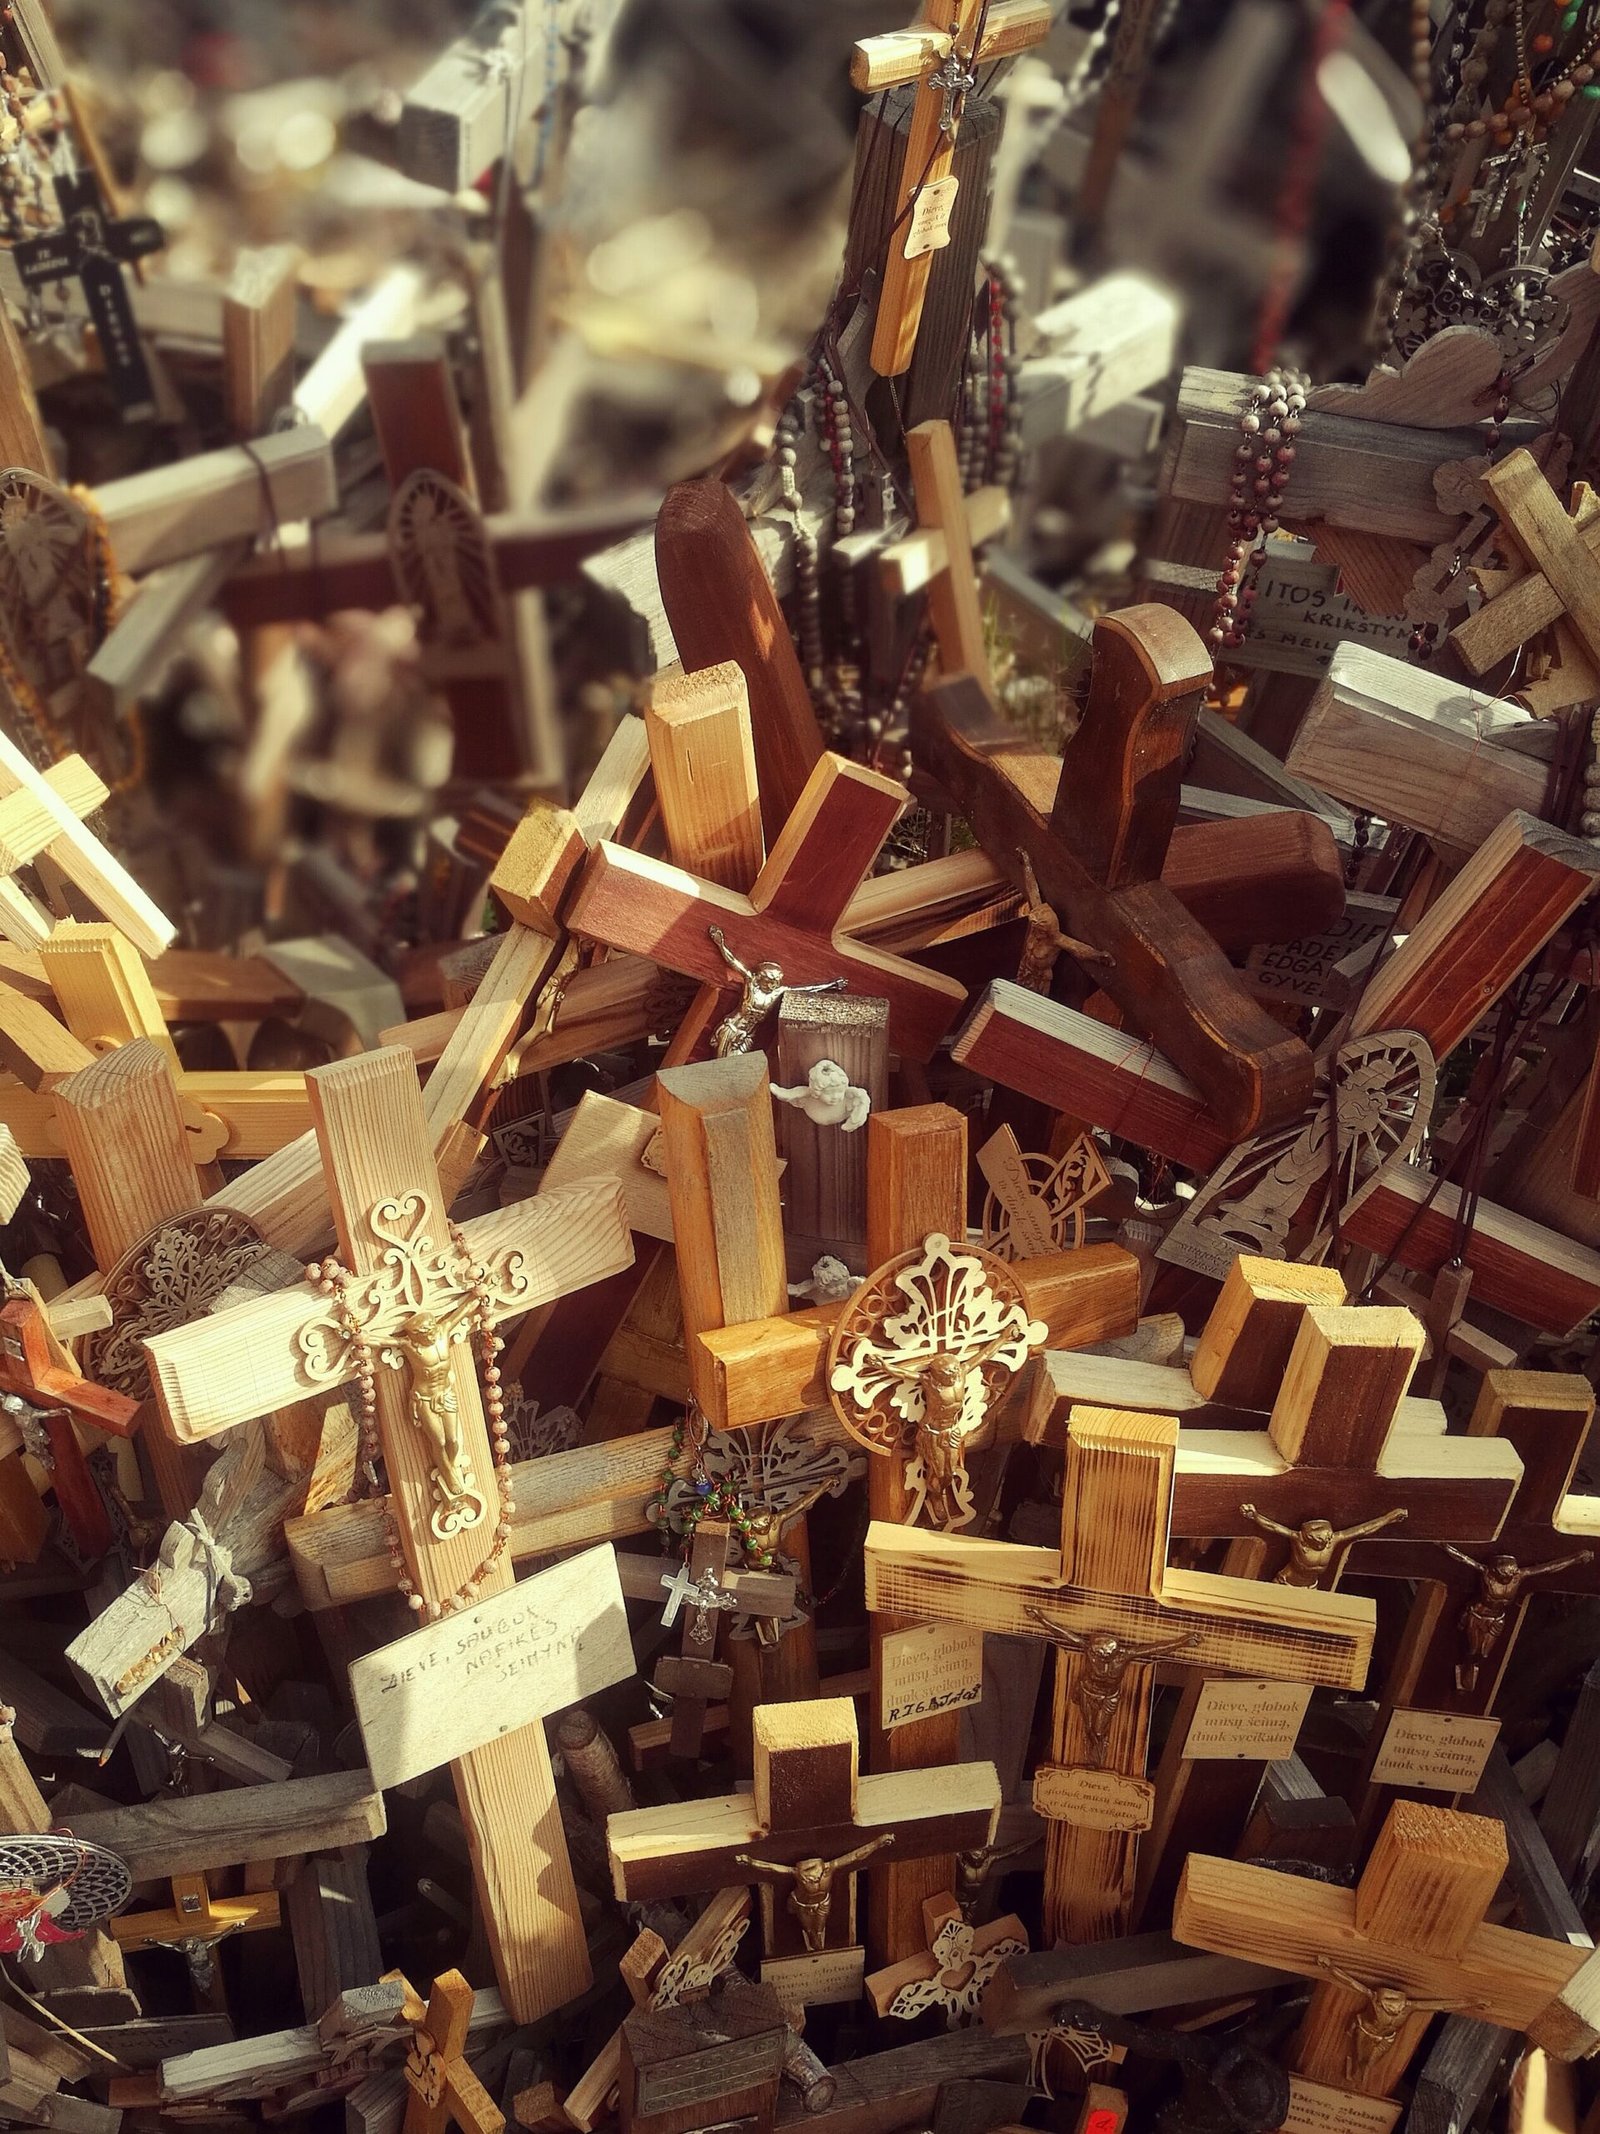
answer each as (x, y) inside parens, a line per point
(1314, 1544)
(425, 1342)
(764, 987)
(1375, 2025)
(1106, 1660)
(1500, 1580)
(813, 1884)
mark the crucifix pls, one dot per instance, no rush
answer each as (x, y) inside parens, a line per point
(809, 1823)
(788, 932)
(195, 1922)
(941, 53)
(395, 1315)
(1096, 830)
(1462, 1630)
(1406, 1942)
(92, 248)
(1110, 1606)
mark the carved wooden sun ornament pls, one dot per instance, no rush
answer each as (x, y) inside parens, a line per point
(919, 1357)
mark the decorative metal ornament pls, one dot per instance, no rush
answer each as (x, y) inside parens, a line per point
(443, 563)
(172, 1276)
(1270, 1196)
(917, 1382)
(411, 1311)
(50, 593)
(536, 1433)
(55, 1888)
(1061, 1193)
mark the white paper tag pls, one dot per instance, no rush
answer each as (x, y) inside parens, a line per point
(516, 1657)
(937, 1667)
(930, 217)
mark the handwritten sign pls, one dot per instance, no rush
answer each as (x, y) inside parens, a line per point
(1235, 1721)
(514, 1658)
(1438, 1751)
(817, 1979)
(1092, 1799)
(937, 1667)
(930, 218)
(1314, 2108)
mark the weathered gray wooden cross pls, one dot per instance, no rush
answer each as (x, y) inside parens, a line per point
(391, 1228)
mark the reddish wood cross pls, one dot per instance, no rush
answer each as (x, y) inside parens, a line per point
(793, 914)
(1097, 839)
(30, 1368)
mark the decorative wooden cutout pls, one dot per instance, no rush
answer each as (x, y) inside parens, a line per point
(443, 563)
(170, 1277)
(1035, 1206)
(1271, 1196)
(50, 594)
(917, 1382)
(955, 1970)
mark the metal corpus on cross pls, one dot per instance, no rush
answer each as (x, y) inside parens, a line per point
(794, 913)
(1110, 1605)
(1406, 1942)
(1096, 831)
(245, 1362)
(941, 53)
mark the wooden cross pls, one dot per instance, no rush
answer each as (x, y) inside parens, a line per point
(92, 248)
(36, 1369)
(953, 585)
(196, 1921)
(1109, 1603)
(392, 1236)
(1408, 1940)
(441, 2089)
(810, 1820)
(941, 53)
(39, 814)
(1097, 844)
(1463, 1627)
(792, 917)
(1066, 1059)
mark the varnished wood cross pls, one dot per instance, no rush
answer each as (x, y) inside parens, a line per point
(941, 53)
(252, 1359)
(1096, 833)
(1109, 1604)
(1407, 1941)
(809, 1823)
(792, 918)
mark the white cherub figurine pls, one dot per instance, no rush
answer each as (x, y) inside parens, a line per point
(831, 1282)
(828, 1097)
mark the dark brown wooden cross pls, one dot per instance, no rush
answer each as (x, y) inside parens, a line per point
(793, 915)
(1097, 839)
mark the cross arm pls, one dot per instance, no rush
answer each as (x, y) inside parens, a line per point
(84, 860)
(1452, 1489)
(654, 909)
(1520, 1980)
(768, 1368)
(687, 1848)
(252, 1360)
(1236, 1625)
(1167, 971)
(211, 1830)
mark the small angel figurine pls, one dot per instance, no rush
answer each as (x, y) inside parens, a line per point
(828, 1097)
(830, 1282)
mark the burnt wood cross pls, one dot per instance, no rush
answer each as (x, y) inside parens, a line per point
(1096, 833)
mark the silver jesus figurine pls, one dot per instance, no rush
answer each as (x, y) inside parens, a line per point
(764, 987)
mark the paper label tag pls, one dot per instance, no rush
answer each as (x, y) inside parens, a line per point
(469, 1678)
(1093, 1800)
(815, 1980)
(1440, 1751)
(930, 217)
(1239, 1720)
(937, 1667)
(1314, 2108)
